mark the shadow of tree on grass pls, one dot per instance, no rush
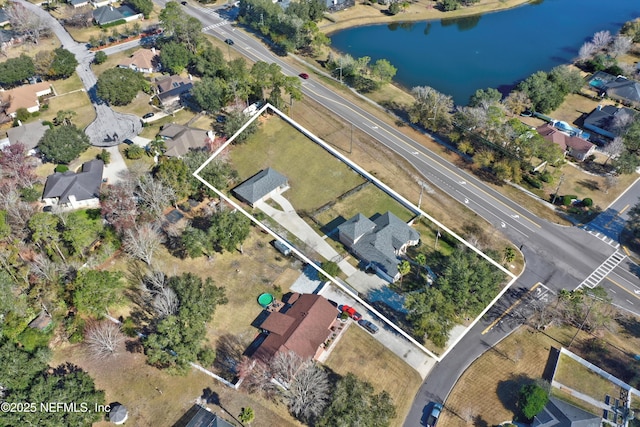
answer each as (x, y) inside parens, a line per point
(508, 392)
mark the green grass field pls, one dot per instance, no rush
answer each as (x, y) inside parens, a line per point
(315, 176)
(573, 375)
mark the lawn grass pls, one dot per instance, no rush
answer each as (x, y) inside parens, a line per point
(316, 177)
(144, 163)
(576, 376)
(156, 398)
(78, 102)
(69, 84)
(357, 352)
(568, 397)
(139, 106)
(488, 390)
(368, 201)
(31, 49)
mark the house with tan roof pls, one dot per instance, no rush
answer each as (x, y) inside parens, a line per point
(302, 326)
(180, 139)
(577, 148)
(143, 61)
(26, 96)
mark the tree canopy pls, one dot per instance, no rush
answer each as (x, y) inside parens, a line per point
(95, 290)
(13, 71)
(142, 6)
(63, 144)
(174, 57)
(354, 403)
(532, 399)
(63, 65)
(119, 86)
(177, 338)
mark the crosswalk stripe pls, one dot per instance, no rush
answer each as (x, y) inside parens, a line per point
(603, 270)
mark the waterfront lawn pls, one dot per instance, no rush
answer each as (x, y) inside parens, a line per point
(358, 353)
(315, 176)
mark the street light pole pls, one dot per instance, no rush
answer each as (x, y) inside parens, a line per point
(553, 202)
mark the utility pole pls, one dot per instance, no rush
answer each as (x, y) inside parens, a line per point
(553, 202)
(351, 140)
(438, 235)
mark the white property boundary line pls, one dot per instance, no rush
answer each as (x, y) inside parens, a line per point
(406, 203)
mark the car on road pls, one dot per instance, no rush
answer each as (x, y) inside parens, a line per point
(148, 115)
(368, 326)
(304, 76)
(229, 42)
(184, 3)
(351, 312)
(434, 415)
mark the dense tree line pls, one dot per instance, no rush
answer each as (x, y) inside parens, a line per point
(449, 5)
(465, 284)
(291, 29)
(359, 73)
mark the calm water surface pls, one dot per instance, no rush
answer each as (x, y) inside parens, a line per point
(497, 50)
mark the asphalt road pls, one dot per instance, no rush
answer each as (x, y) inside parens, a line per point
(558, 257)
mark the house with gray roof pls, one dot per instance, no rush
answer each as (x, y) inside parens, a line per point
(602, 120)
(78, 3)
(171, 89)
(201, 416)
(378, 242)
(28, 135)
(4, 18)
(104, 15)
(75, 190)
(261, 186)
(558, 413)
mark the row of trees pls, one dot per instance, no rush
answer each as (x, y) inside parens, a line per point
(448, 5)
(360, 74)
(54, 64)
(600, 53)
(465, 284)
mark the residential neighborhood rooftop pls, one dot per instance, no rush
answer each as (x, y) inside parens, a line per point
(82, 185)
(28, 134)
(259, 185)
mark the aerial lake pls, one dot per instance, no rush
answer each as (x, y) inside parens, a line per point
(459, 56)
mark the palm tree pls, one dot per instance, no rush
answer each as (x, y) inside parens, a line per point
(403, 268)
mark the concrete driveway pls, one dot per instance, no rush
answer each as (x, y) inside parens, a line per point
(116, 168)
(289, 219)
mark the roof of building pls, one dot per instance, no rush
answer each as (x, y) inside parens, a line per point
(624, 89)
(107, 14)
(566, 142)
(301, 329)
(78, 2)
(172, 86)
(3, 16)
(259, 185)
(24, 96)
(558, 413)
(83, 185)
(603, 117)
(180, 139)
(379, 245)
(357, 226)
(28, 135)
(146, 59)
(199, 416)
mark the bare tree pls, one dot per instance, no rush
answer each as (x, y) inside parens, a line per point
(517, 102)
(614, 148)
(26, 22)
(104, 339)
(621, 45)
(587, 51)
(166, 302)
(42, 266)
(309, 392)
(5, 101)
(601, 39)
(610, 182)
(622, 120)
(16, 165)
(284, 366)
(142, 241)
(154, 195)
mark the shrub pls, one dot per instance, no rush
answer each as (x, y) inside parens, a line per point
(207, 356)
(105, 156)
(22, 114)
(61, 168)
(587, 202)
(532, 400)
(100, 57)
(134, 152)
(566, 200)
(532, 181)
(30, 194)
(32, 339)
(546, 176)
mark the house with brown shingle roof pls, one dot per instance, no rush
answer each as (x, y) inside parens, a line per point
(577, 148)
(26, 96)
(170, 89)
(301, 326)
(143, 61)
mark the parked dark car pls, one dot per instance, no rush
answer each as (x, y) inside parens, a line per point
(304, 76)
(127, 141)
(433, 416)
(148, 115)
(221, 119)
(368, 326)
(350, 311)
(184, 3)
(229, 42)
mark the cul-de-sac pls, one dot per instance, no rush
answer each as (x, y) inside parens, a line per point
(324, 213)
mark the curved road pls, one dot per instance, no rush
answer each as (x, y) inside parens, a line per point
(109, 127)
(557, 257)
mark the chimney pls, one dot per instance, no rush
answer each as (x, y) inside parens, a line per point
(599, 107)
(153, 50)
(111, 7)
(211, 135)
